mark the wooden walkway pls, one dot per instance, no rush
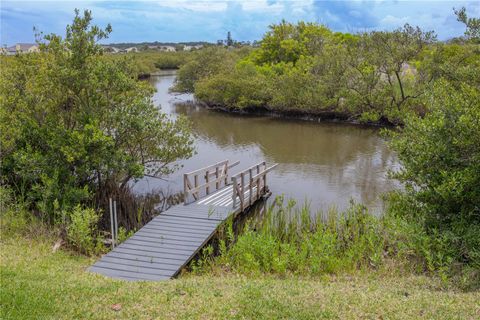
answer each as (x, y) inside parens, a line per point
(161, 248)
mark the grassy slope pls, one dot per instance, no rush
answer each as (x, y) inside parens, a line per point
(40, 284)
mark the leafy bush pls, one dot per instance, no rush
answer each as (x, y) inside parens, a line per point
(440, 156)
(123, 234)
(77, 126)
(307, 67)
(14, 219)
(204, 63)
(240, 88)
(82, 232)
(172, 60)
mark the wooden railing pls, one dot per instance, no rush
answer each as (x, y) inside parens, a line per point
(252, 189)
(202, 181)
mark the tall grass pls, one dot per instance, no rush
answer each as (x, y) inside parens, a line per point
(289, 239)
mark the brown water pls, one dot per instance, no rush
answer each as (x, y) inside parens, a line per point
(325, 164)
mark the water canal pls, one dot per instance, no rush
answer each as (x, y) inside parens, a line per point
(325, 164)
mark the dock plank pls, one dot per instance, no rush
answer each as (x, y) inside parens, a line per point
(144, 264)
(161, 248)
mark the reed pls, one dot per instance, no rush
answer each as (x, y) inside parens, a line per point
(290, 239)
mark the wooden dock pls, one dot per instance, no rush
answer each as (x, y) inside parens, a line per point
(161, 248)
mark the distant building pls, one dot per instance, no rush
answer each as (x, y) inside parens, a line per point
(22, 48)
(167, 48)
(190, 48)
(111, 49)
(131, 49)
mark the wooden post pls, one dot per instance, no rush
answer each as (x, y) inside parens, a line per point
(208, 186)
(250, 187)
(264, 179)
(259, 179)
(242, 191)
(234, 197)
(195, 183)
(226, 173)
(217, 184)
(185, 187)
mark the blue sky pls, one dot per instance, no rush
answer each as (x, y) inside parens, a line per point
(184, 20)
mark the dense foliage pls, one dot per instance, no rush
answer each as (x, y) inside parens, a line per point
(77, 127)
(440, 154)
(287, 239)
(372, 77)
(292, 240)
(146, 63)
(404, 77)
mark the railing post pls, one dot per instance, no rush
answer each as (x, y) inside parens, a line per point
(259, 184)
(217, 184)
(207, 189)
(264, 179)
(185, 187)
(234, 197)
(250, 187)
(242, 191)
(226, 173)
(195, 181)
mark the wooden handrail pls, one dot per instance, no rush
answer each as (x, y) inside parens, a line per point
(207, 168)
(230, 166)
(218, 170)
(198, 188)
(250, 168)
(258, 181)
(266, 171)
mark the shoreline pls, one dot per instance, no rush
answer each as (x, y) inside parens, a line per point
(322, 116)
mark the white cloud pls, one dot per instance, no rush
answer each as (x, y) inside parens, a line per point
(197, 5)
(393, 21)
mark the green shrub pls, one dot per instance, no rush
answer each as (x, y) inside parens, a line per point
(205, 63)
(305, 67)
(14, 218)
(171, 60)
(123, 234)
(440, 156)
(73, 122)
(82, 232)
(239, 88)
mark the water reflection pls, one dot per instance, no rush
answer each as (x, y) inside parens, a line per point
(326, 163)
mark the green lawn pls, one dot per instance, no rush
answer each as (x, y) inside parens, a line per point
(39, 284)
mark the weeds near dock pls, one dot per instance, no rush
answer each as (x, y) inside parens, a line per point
(287, 239)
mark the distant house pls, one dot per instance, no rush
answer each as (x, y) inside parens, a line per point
(190, 48)
(111, 49)
(131, 49)
(22, 48)
(167, 48)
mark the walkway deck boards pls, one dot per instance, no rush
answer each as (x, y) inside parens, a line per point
(160, 249)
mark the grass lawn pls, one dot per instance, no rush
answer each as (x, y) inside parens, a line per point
(39, 284)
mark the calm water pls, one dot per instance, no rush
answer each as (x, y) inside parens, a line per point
(326, 164)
